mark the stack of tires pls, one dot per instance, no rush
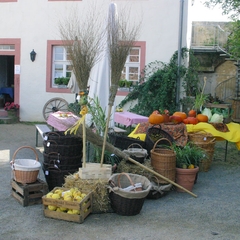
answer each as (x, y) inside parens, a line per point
(62, 156)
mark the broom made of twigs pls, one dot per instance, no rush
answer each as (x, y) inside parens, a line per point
(120, 41)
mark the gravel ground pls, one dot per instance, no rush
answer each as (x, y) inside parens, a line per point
(214, 214)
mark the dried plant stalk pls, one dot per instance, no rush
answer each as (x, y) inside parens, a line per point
(82, 41)
(121, 37)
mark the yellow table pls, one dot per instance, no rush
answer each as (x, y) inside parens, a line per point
(232, 136)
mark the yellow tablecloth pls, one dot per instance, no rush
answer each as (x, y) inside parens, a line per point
(232, 136)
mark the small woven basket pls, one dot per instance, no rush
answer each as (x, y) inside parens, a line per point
(163, 161)
(127, 203)
(205, 164)
(155, 133)
(138, 154)
(25, 170)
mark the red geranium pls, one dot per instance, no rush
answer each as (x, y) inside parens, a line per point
(9, 106)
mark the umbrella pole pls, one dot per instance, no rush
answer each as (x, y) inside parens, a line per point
(105, 134)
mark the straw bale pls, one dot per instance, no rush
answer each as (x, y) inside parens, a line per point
(101, 202)
(126, 166)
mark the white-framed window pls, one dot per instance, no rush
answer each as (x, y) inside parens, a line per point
(61, 66)
(131, 70)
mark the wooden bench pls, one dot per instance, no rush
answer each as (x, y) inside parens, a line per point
(119, 130)
(41, 128)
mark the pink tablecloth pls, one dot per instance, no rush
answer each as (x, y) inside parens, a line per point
(128, 118)
(60, 121)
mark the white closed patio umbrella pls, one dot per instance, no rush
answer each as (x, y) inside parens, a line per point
(100, 77)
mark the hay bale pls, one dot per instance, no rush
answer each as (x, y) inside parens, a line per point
(127, 167)
(101, 202)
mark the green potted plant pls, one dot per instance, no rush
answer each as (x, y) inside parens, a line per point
(62, 81)
(187, 164)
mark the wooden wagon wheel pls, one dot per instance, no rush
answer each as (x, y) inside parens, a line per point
(54, 105)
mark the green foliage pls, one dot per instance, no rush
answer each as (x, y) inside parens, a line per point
(98, 115)
(189, 154)
(190, 81)
(75, 108)
(125, 83)
(158, 85)
(62, 80)
(231, 7)
(233, 45)
(228, 6)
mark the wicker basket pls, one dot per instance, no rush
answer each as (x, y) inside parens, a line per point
(138, 154)
(205, 164)
(61, 138)
(25, 170)
(63, 150)
(163, 161)
(122, 142)
(56, 177)
(208, 146)
(63, 160)
(155, 133)
(200, 137)
(127, 203)
(54, 164)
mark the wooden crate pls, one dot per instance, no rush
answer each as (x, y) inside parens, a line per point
(85, 207)
(95, 171)
(29, 194)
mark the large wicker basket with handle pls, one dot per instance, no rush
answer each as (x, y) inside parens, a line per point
(163, 161)
(25, 170)
(155, 133)
(124, 202)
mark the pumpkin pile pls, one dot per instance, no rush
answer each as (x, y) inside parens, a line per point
(192, 117)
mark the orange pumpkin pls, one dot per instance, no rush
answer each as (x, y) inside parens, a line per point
(202, 117)
(156, 118)
(182, 115)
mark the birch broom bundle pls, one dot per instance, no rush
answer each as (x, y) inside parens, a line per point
(121, 37)
(82, 42)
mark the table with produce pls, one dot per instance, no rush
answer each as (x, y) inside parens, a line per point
(209, 120)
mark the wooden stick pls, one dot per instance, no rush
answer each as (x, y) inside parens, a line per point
(159, 175)
(105, 134)
(84, 143)
(97, 140)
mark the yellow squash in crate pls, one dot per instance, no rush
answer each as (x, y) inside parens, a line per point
(67, 204)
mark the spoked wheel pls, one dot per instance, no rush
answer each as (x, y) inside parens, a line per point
(54, 105)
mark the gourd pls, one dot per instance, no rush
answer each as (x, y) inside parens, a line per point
(183, 115)
(202, 118)
(155, 118)
(192, 113)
